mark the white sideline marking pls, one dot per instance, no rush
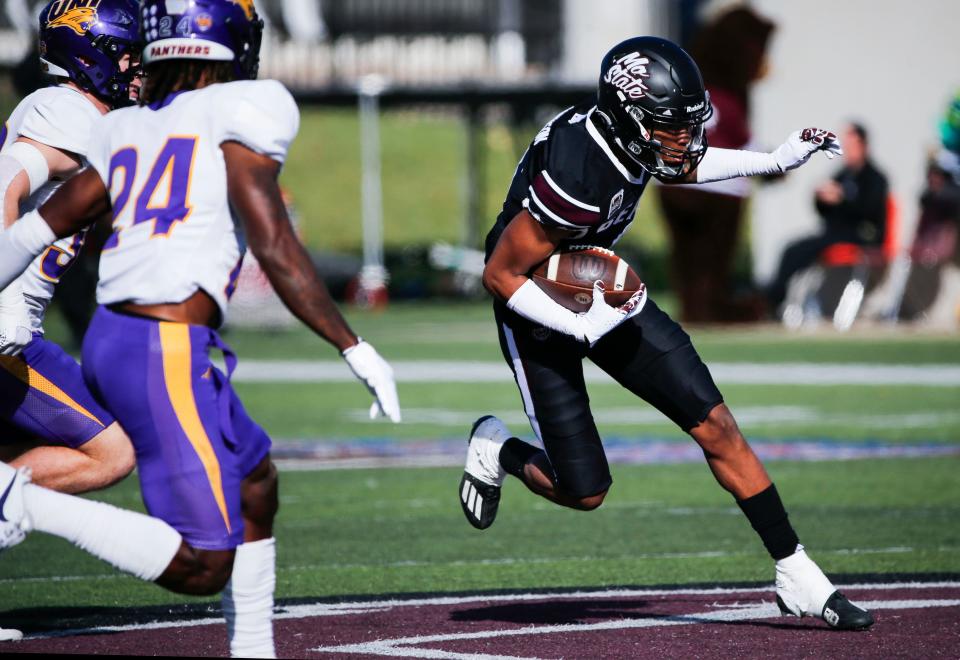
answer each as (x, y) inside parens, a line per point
(361, 607)
(500, 561)
(746, 416)
(407, 646)
(736, 373)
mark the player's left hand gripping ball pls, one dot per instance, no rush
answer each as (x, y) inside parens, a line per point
(377, 375)
(802, 144)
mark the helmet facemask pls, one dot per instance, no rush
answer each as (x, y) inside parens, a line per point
(640, 137)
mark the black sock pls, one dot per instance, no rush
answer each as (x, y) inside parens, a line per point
(769, 519)
(514, 454)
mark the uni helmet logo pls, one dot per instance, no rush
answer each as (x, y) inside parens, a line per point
(204, 22)
(248, 8)
(628, 73)
(77, 15)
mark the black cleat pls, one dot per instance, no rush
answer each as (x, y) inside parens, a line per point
(482, 473)
(841, 614)
(479, 501)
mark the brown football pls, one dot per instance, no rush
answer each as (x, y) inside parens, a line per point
(568, 275)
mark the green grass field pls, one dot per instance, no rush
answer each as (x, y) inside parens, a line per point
(376, 531)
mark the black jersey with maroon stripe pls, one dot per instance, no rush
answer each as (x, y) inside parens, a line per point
(570, 179)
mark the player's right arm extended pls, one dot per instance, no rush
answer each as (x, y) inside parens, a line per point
(522, 245)
(76, 204)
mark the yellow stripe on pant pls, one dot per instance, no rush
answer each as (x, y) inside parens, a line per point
(177, 370)
(34, 379)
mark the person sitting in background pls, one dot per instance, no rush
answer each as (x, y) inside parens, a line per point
(853, 206)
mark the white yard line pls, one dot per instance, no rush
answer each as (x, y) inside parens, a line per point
(732, 373)
(310, 610)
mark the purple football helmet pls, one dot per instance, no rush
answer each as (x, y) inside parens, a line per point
(214, 30)
(84, 40)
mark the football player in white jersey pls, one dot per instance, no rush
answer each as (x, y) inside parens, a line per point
(50, 422)
(93, 51)
(191, 178)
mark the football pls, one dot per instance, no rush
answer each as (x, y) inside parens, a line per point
(568, 275)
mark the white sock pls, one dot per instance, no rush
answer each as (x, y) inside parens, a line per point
(802, 585)
(248, 600)
(133, 542)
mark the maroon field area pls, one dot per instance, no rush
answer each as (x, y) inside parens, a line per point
(913, 620)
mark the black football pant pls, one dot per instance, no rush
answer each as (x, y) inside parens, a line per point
(649, 354)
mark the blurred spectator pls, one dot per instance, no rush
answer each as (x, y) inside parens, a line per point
(705, 221)
(932, 290)
(852, 205)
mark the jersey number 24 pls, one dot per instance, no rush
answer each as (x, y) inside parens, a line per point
(164, 198)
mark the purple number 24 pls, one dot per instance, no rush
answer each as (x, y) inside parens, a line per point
(164, 197)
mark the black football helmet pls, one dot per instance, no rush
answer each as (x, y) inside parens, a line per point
(648, 84)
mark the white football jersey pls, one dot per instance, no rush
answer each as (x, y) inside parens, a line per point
(173, 230)
(60, 117)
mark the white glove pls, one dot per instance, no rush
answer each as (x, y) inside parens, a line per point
(601, 318)
(377, 375)
(15, 330)
(802, 144)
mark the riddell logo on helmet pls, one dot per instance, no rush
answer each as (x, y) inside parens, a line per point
(627, 74)
(178, 50)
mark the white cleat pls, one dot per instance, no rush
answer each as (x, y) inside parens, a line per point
(803, 590)
(10, 635)
(14, 522)
(483, 475)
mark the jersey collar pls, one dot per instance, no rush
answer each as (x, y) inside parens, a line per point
(595, 134)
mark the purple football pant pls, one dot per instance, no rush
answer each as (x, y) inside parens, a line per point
(43, 398)
(194, 441)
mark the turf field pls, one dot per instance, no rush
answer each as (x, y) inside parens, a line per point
(400, 530)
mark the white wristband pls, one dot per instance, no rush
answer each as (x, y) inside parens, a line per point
(721, 164)
(19, 244)
(533, 304)
(31, 160)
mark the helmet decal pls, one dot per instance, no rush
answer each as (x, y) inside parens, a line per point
(78, 19)
(627, 74)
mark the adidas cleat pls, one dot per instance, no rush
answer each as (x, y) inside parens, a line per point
(482, 474)
(803, 590)
(479, 501)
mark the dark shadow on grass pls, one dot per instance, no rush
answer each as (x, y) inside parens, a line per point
(556, 612)
(62, 621)
(567, 612)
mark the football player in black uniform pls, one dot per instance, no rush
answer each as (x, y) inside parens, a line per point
(579, 183)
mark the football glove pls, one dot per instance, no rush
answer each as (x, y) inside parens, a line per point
(601, 318)
(802, 144)
(377, 375)
(14, 321)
